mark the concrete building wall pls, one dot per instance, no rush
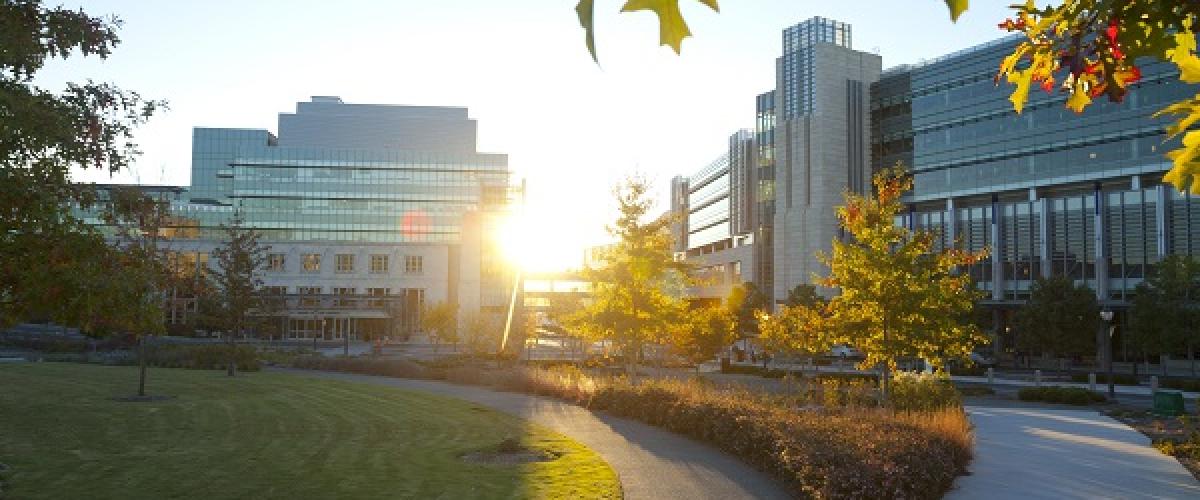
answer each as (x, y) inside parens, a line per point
(818, 157)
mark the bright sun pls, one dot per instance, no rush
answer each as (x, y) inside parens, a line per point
(534, 251)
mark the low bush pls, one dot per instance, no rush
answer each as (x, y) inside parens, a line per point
(923, 392)
(196, 357)
(971, 371)
(1102, 378)
(55, 344)
(201, 356)
(1055, 394)
(834, 453)
(398, 368)
(1181, 384)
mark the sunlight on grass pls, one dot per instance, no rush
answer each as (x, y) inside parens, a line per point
(265, 435)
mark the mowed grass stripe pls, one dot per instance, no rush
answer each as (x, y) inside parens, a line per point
(264, 435)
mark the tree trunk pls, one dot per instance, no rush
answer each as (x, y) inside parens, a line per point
(141, 365)
(231, 369)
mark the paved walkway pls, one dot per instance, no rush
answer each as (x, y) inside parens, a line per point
(1060, 454)
(652, 463)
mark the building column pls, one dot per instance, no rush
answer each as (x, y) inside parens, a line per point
(1162, 240)
(948, 223)
(1103, 349)
(996, 256)
(1101, 253)
(1044, 236)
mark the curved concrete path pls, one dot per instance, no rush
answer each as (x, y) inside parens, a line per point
(652, 463)
(1033, 453)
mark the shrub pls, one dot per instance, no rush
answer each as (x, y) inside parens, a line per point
(201, 357)
(1055, 394)
(973, 370)
(1182, 384)
(923, 392)
(398, 368)
(843, 453)
(1102, 378)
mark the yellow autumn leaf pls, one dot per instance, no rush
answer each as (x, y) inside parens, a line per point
(1189, 108)
(1186, 169)
(957, 7)
(1021, 79)
(586, 9)
(672, 29)
(1184, 56)
(1079, 100)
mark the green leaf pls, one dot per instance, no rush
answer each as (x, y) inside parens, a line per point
(672, 28)
(586, 9)
(957, 7)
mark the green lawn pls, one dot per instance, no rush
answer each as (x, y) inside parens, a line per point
(264, 435)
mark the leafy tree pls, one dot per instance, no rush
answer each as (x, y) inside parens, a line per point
(483, 332)
(238, 303)
(1094, 47)
(744, 302)
(142, 276)
(801, 329)
(804, 295)
(703, 333)
(898, 297)
(637, 286)
(440, 322)
(1060, 319)
(1164, 313)
(43, 136)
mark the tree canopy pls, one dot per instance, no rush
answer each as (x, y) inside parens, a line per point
(637, 285)
(43, 136)
(897, 295)
(1060, 318)
(1164, 314)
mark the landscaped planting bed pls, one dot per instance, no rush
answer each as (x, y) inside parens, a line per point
(1055, 394)
(846, 448)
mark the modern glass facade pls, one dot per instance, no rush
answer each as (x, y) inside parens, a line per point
(1048, 191)
(797, 64)
(708, 204)
(355, 201)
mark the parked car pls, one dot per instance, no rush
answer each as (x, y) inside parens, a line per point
(982, 359)
(845, 351)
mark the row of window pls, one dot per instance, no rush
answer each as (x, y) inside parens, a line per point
(345, 263)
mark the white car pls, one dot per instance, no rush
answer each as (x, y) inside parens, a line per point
(845, 351)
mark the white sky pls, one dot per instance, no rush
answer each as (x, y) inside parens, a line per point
(570, 127)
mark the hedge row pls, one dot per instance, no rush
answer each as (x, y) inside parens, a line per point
(1055, 394)
(835, 453)
(197, 357)
(1102, 378)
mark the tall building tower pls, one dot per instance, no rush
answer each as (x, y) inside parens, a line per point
(821, 143)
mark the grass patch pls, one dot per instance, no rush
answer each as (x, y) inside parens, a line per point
(266, 435)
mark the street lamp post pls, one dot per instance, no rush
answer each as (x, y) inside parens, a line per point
(1107, 316)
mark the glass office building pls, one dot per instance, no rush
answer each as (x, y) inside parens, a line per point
(1049, 191)
(370, 211)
